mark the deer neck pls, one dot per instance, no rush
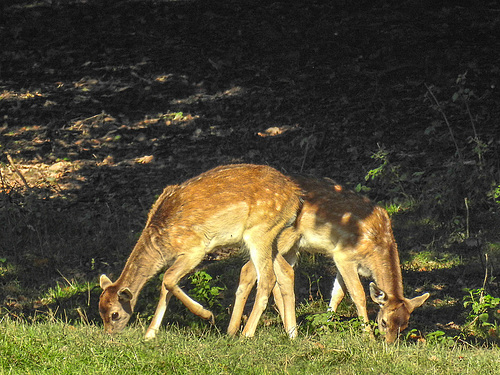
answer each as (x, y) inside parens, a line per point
(387, 272)
(143, 263)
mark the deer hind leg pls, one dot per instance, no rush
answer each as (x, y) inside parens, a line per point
(338, 292)
(284, 294)
(287, 247)
(248, 277)
(182, 265)
(262, 259)
(165, 296)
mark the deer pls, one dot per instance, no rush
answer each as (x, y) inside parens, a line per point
(357, 234)
(240, 204)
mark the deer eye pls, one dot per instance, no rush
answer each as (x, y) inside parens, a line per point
(383, 324)
(115, 316)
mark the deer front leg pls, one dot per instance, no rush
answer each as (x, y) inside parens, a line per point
(165, 296)
(350, 277)
(182, 265)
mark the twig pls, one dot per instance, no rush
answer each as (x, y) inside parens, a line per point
(445, 120)
(83, 316)
(11, 161)
(80, 123)
(471, 119)
(467, 233)
(310, 139)
(2, 180)
(304, 158)
(485, 270)
(64, 277)
(99, 115)
(476, 138)
(465, 342)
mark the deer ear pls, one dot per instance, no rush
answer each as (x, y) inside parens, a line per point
(417, 301)
(377, 294)
(105, 281)
(125, 294)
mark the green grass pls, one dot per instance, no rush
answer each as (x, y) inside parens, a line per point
(59, 348)
(52, 256)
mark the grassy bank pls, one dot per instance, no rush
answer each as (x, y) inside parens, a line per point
(59, 348)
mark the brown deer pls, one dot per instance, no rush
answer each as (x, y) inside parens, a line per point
(358, 235)
(229, 205)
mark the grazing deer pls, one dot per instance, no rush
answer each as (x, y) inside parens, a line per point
(357, 234)
(229, 205)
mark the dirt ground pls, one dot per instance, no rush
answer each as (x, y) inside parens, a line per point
(103, 103)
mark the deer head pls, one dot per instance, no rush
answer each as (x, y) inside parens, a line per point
(115, 305)
(394, 313)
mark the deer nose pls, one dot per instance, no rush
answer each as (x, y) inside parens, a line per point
(108, 329)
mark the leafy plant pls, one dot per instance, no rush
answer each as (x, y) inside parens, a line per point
(494, 193)
(3, 266)
(203, 289)
(173, 116)
(64, 291)
(383, 156)
(359, 188)
(396, 179)
(328, 322)
(484, 315)
(439, 337)
(464, 94)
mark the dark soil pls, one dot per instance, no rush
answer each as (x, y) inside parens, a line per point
(103, 103)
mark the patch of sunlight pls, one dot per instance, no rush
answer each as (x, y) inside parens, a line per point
(429, 260)
(276, 130)
(235, 91)
(168, 119)
(399, 207)
(6, 268)
(64, 291)
(11, 95)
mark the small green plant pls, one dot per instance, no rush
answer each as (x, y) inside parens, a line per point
(465, 94)
(484, 315)
(173, 116)
(203, 289)
(60, 292)
(361, 188)
(3, 266)
(328, 322)
(494, 193)
(383, 156)
(439, 337)
(393, 178)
